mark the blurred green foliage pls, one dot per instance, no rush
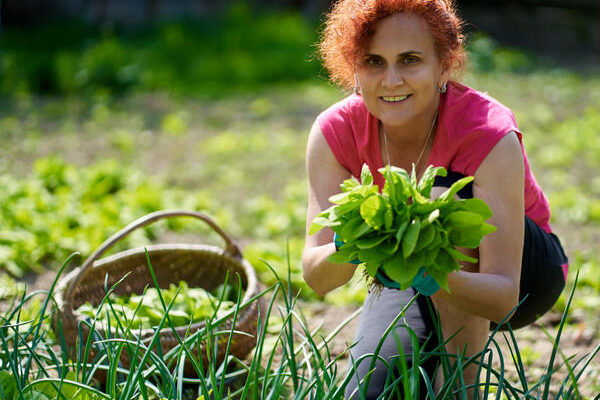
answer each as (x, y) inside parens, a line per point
(61, 209)
(487, 55)
(219, 55)
(241, 50)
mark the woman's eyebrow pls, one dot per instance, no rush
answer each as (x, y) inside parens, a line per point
(410, 53)
(403, 54)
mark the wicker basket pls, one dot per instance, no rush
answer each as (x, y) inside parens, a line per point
(200, 265)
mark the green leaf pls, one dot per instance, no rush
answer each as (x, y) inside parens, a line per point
(388, 216)
(349, 184)
(366, 178)
(413, 177)
(395, 268)
(460, 256)
(430, 256)
(371, 256)
(342, 210)
(426, 236)
(455, 188)
(354, 229)
(486, 229)
(368, 243)
(437, 239)
(418, 198)
(410, 238)
(445, 262)
(470, 238)
(343, 255)
(440, 277)
(66, 389)
(390, 246)
(415, 261)
(372, 268)
(428, 179)
(477, 206)
(34, 395)
(401, 230)
(372, 211)
(340, 198)
(8, 384)
(396, 185)
(462, 220)
(319, 223)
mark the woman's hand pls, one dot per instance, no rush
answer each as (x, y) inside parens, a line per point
(325, 175)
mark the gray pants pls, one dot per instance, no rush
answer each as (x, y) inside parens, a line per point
(379, 310)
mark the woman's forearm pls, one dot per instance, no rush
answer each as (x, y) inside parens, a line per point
(490, 296)
(321, 275)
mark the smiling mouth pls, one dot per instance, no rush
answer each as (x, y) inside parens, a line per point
(394, 99)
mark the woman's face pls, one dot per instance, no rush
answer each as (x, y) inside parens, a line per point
(400, 76)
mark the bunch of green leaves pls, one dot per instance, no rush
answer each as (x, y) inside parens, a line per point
(402, 229)
(190, 305)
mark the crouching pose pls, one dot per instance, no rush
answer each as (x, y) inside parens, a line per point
(402, 59)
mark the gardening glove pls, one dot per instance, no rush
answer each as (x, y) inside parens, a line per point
(424, 283)
(385, 280)
(338, 243)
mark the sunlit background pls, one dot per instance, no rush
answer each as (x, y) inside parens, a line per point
(112, 109)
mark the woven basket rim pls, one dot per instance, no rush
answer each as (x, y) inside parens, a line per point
(252, 288)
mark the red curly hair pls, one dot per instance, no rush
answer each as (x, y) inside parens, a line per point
(351, 24)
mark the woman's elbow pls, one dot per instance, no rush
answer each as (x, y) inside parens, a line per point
(507, 307)
(321, 276)
(314, 285)
(308, 274)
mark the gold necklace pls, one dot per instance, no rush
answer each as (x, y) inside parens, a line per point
(387, 150)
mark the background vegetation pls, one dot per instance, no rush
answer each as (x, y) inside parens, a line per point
(101, 125)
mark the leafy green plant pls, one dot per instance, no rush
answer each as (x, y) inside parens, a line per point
(188, 306)
(61, 208)
(401, 229)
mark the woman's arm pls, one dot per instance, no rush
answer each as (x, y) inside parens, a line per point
(325, 175)
(493, 292)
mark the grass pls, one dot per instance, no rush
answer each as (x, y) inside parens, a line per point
(297, 365)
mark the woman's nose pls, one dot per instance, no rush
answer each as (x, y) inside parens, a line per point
(393, 76)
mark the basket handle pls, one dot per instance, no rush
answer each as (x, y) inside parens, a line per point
(231, 248)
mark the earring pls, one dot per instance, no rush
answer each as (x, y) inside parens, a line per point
(443, 88)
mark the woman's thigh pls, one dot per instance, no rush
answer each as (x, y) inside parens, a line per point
(379, 311)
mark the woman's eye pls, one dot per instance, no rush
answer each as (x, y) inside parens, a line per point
(373, 62)
(410, 60)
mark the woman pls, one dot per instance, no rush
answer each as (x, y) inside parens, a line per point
(403, 59)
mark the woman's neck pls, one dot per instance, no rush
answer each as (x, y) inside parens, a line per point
(405, 146)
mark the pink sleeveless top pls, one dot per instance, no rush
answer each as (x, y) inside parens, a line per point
(470, 124)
